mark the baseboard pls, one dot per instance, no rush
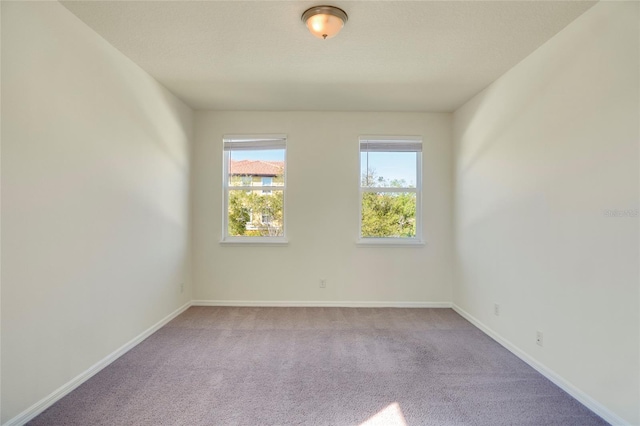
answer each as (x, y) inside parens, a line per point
(59, 393)
(56, 395)
(558, 380)
(320, 304)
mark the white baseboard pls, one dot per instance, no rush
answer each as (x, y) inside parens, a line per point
(558, 380)
(63, 390)
(320, 304)
(59, 393)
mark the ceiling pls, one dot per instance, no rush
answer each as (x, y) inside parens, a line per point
(390, 56)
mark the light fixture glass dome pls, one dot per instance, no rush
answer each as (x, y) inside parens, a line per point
(324, 21)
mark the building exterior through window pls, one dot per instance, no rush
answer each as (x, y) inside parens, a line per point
(254, 186)
(257, 173)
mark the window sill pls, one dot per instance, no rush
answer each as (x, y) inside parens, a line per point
(255, 241)
(389, 242)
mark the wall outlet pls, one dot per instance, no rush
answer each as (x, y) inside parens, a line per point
(323, 283)
(539, 336)
(181, 287)
(496, 309)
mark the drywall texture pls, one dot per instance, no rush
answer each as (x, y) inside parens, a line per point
(543, 157)
(322, 213)
(95, 208)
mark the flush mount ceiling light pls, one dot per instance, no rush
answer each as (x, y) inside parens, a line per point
(324, 21)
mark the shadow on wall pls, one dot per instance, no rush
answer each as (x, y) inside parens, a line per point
(508, 106)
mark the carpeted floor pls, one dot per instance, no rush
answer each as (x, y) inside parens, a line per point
(318, 366)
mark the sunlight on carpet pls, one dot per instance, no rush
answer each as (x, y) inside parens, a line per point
(391, 415)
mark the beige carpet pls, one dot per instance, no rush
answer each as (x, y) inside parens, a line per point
(318, 366)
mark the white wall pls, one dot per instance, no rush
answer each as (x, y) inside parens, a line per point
(322, 210)
(540, 155)
(95, 209)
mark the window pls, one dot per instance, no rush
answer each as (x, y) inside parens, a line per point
(390, 189)
(254, 188)
(267, 181)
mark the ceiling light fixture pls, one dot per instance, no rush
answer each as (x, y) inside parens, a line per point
(324, 21)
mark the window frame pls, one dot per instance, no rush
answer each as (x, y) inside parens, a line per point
(391, 241)
(261, 141)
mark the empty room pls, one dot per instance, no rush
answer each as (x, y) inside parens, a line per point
(305, 213)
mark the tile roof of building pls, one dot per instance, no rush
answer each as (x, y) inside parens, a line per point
(256, 168)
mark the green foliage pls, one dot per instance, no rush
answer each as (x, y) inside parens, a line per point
(387, 214)
(239, 213)
(246, 211)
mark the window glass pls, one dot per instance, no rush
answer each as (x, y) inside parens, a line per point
(249, 165)
(390, 189)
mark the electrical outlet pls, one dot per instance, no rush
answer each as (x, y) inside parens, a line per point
(539, 336)
(496, 309)
(323, 283)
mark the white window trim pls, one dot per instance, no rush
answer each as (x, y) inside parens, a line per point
(260, 241)
(257, 188)
(416, 241)
(255, 241)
